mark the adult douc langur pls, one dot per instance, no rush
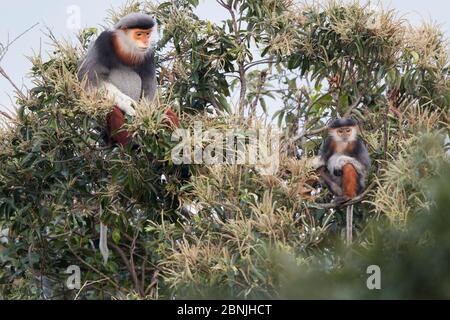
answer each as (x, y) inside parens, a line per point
(122, 62)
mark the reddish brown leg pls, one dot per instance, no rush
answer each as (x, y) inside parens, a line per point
(349, 181)
(115, 121)
(173, 118)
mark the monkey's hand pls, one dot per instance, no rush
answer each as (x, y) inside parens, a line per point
(124, 102)
(337, 172)
(127, 107)
(329, 181)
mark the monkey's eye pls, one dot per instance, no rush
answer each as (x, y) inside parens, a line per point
(139, 34)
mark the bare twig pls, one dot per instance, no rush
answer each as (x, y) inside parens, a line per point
(144, 260)
(385, 129)
(259, 87)
(353, 106)
(3, 54)
(19, 92)
(309, 133)
(129, 266)
(255, 63)
(93, 268)
(87, 284)
(153, 283)
(5, 49)
(139, 288)
(6, 115)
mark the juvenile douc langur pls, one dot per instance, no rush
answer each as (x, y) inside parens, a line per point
(122, 62)
(343, 163)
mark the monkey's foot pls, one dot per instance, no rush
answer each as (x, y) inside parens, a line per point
(340, 200)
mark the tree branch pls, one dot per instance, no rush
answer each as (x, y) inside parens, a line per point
(353, 106)
(92, 267)
(241, 64)
(130, 267)
(10, 43)
(353, 201)
(19, 92)
(309, 133)
(255, 63)
(259, 87)
(153, 283)
(3, 54)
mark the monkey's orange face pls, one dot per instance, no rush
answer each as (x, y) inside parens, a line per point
(344, 134)
(141, 37)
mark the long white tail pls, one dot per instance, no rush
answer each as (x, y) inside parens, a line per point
(349, 228)
(103, 246)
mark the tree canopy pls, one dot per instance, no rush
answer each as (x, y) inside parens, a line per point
(250, 235)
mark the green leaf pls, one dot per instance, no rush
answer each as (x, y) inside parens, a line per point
(415, 56)
(263, 104)
(116, 236)
(293, 62)
(224, 104)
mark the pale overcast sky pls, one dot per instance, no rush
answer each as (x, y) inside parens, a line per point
(18, 15)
